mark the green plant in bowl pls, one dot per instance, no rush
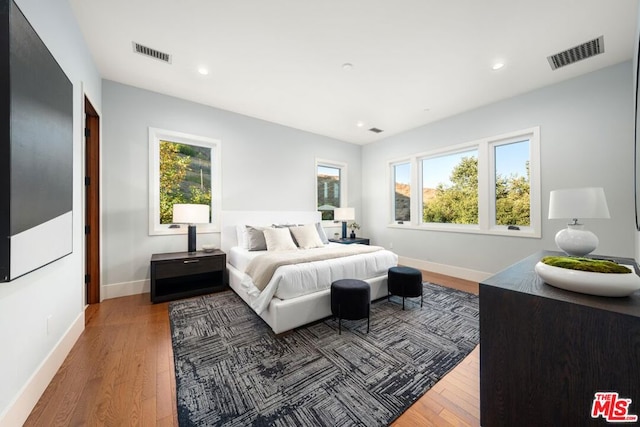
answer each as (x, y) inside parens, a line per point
(586, 264)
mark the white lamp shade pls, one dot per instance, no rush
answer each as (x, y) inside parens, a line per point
(578, 203)
(190, 214)
(344, 214)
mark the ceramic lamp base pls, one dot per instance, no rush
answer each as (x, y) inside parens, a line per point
(576, 241)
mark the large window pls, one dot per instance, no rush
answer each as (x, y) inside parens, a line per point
(488, 186)
(450, 188)
(331, 178)
(183, 169)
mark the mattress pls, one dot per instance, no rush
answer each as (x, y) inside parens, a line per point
(240, 257)
(291, 281)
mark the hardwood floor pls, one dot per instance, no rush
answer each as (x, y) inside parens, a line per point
(120, 373)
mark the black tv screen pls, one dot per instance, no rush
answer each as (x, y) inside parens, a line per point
(37, 150)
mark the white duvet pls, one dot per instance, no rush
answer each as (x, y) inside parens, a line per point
(291, 281)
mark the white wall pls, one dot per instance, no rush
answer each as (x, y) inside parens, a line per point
(635, 61)
(586, 128)
(265, 166)
(30, 355)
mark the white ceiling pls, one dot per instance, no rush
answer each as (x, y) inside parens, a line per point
(414, 61)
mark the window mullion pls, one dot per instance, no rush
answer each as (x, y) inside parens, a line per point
(486, 186)
(416, 189)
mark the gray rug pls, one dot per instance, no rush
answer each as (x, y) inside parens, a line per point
(231, 370)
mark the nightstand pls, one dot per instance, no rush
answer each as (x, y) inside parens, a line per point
(348, 241)
(186, 274)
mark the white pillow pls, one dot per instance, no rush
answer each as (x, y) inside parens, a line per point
(321, 233)
(241, 235)
(307, 236)
(279, 239)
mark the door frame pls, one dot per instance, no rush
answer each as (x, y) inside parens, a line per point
(92, 202)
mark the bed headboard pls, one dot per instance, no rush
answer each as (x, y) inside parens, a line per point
(230, 219)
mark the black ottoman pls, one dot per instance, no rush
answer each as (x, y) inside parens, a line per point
(405, 282)
(351, 300)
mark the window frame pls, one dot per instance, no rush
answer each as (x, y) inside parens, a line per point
(486, 186)
(442, 153)
(155, 136)
(534, 190)
(343, 184)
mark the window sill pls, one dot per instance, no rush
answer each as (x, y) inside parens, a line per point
(468, 229)
(200, 229)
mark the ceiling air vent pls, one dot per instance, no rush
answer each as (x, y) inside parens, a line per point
(152, 53)
(575, 54)
(376, 130)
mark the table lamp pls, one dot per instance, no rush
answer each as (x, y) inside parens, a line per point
(577, 203)
(191, 214)
(344, 215)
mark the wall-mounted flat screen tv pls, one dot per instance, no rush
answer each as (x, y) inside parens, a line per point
(36, 150)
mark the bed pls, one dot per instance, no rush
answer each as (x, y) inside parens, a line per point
(279, 303)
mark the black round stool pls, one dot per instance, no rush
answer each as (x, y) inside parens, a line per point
(405, 282)
(351, 300)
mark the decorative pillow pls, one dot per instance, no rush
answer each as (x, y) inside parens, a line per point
(278, 239)
(289, 227)
(307, 236)
(255, 238)
(321, 233)
(241, 235)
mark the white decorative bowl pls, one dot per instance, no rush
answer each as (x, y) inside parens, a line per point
(208, 248)
(585, 282)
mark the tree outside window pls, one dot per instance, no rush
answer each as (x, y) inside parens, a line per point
(183, 168)
(450, 188)
(185, 177)
(513, 184)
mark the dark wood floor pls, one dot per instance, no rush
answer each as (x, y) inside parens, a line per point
(120, 373)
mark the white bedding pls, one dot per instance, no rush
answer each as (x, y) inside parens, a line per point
(291, 281)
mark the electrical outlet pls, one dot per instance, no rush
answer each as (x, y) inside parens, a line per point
(390, 245)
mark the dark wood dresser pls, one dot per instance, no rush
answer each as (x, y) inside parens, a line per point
(545, 352)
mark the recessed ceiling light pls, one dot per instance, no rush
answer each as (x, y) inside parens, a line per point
(347, 66)
(360, 123)
(203, 71)
(497, 66)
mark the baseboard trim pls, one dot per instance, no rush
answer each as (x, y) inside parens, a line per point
(123, 289)
(449, 270)
(18, 411)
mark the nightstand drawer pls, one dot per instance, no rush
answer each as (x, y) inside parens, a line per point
(185, 267)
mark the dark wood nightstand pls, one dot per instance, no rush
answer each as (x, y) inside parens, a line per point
(348, 241)
(186, 274)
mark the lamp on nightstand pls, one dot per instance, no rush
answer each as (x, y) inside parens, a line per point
(191, 214)
(344, 215)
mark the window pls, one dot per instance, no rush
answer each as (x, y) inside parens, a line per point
(450, 188)
(402, 192)
(489, 186)
(511, 183)
(183, 169)
(331, 178)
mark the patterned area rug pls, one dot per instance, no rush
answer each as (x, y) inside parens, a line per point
(231, 370)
